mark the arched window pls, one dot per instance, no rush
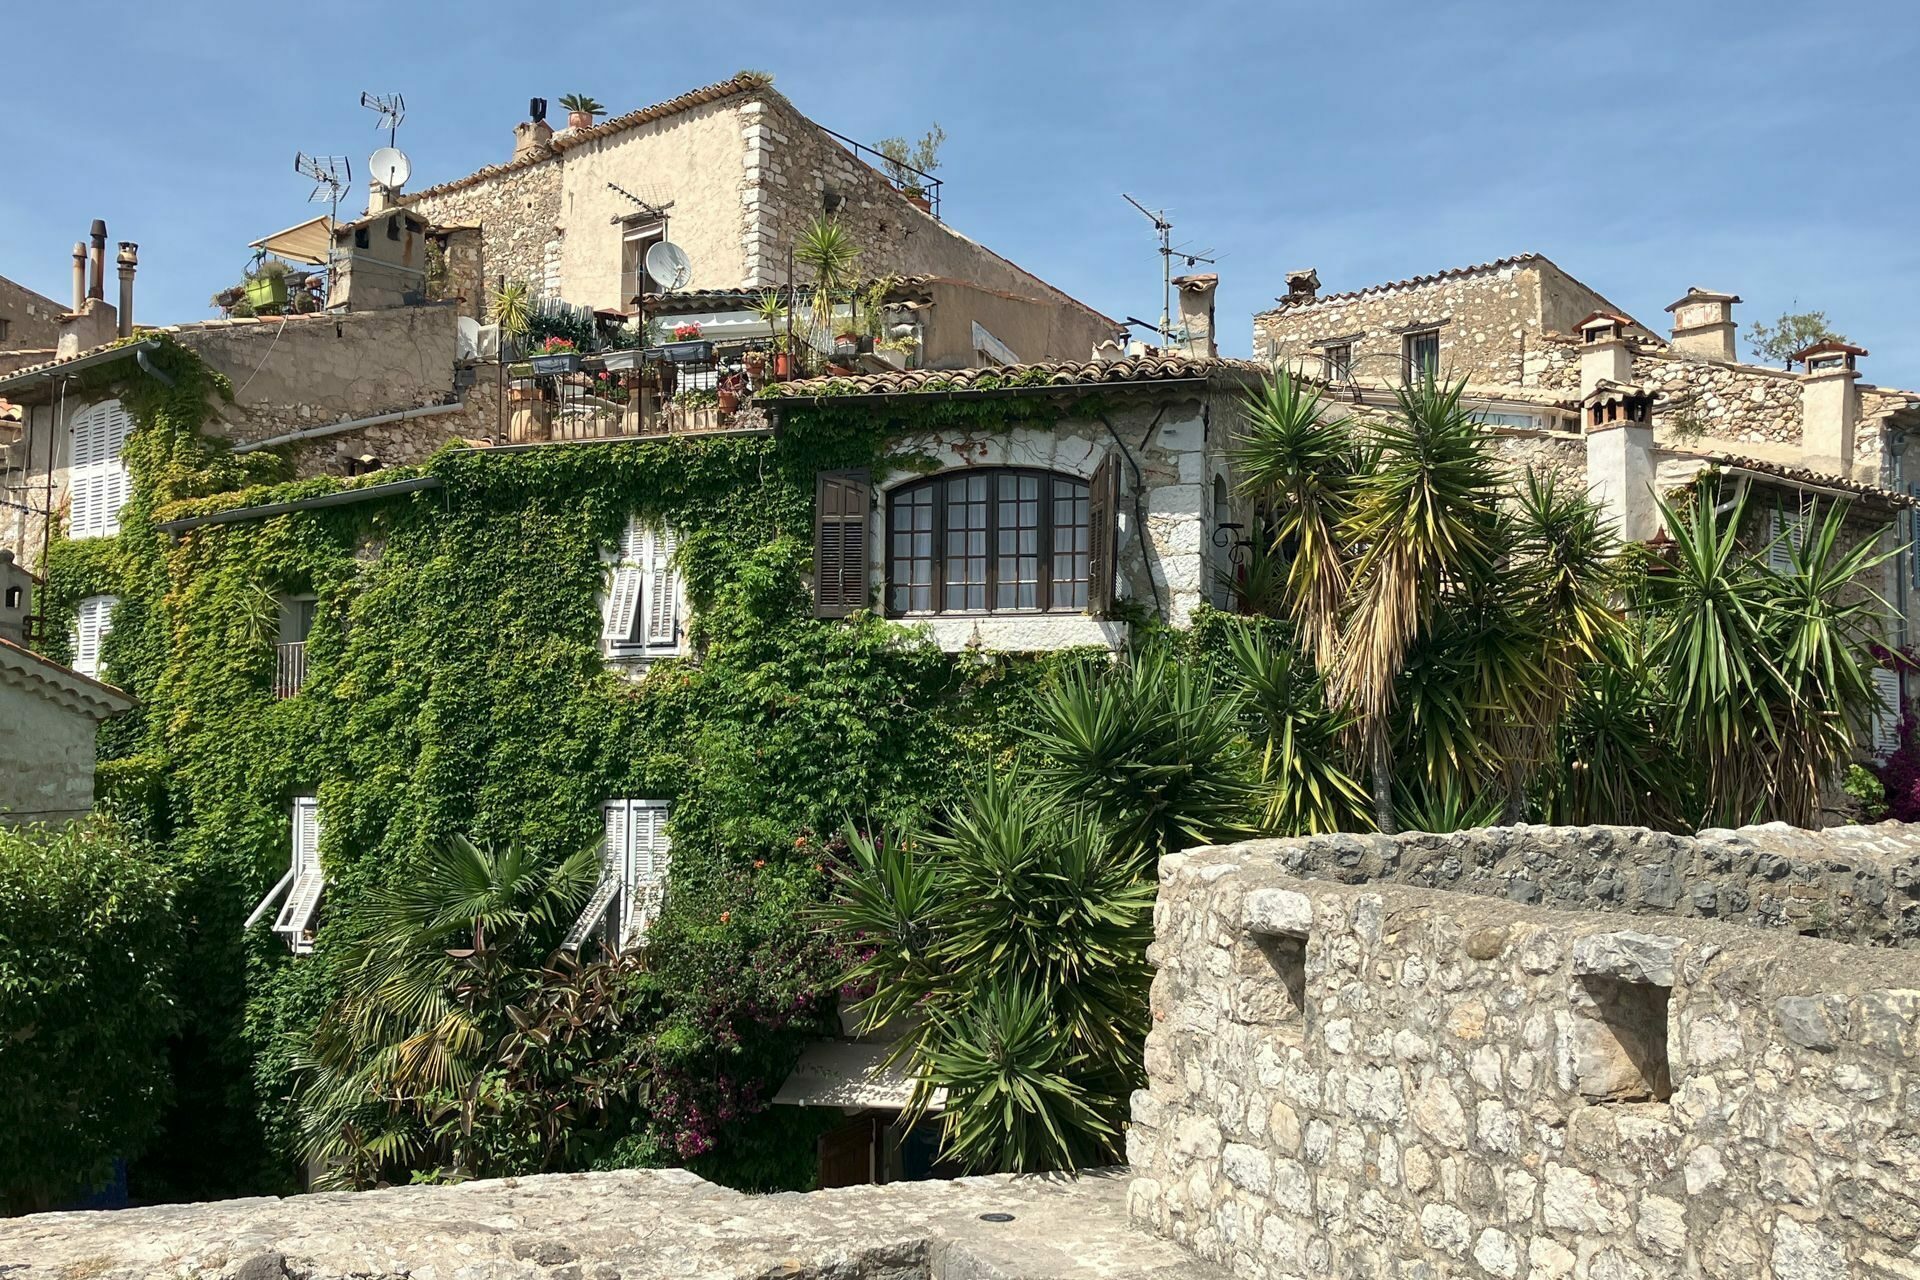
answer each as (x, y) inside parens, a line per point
(1002, 540)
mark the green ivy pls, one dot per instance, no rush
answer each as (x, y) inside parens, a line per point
(455, 686)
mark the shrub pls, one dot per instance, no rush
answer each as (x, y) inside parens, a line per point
(87, 933)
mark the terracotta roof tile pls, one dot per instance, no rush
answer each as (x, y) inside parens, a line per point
(1038, 376)
(1804, 475)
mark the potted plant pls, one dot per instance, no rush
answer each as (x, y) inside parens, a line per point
(581, 109)
(688, 332)
(908, 165)
(728, 395)
(827, 250)
(557, 355)
(266, 286)
(782, 359)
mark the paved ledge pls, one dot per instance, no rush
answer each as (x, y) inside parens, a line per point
(635, 1225)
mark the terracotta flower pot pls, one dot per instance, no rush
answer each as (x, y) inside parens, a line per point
(579, 119)
(782, 365)
(729, 401)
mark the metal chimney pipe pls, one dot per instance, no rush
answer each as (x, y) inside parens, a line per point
(128, 259)
(79, 275)
(97, 280)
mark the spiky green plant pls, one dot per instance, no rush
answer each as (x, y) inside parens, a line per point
(827, 250)
(1303, 785)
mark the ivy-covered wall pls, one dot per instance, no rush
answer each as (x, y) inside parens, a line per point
(455, 686)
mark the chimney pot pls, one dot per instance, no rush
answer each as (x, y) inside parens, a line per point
(532, 137)
(1302, 285)
(128, 260)
(79, 275)
(1196, 314)
(1829, 404)
(1703, 323)
(97, 279)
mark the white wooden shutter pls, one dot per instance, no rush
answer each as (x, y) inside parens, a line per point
(116, 424)
(1780, 549)
(625, 586)
(97, 480)
(613, 842)
(309, 879)
(90, 627)
(1886, 717)
(646, 869)
(80, 463)
(663, 590)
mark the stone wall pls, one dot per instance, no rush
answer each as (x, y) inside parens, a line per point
(1376, 1079)
(47, 747)
(519, 215)
(1489, 322)
(31, 321)
(633, 1225)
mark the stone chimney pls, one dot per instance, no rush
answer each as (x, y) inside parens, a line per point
(79, 276)
(128, 261)
(1605, 353)
(92, 321)
(1703, 323)
(533, 136)
(1617, 419)
(1302, 286)
(1196, 314)
(1829, 404)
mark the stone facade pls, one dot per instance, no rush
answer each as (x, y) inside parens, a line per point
(1375, 1079)
(28, 323)
(636, 1225)
(744, 173)
(48, 715)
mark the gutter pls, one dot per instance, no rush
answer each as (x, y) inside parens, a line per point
(351, 424)
(61, 370)
(345, 497)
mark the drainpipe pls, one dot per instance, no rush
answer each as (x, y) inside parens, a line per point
(335, 428)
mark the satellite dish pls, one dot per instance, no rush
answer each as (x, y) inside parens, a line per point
(669, 265)
(390, 168)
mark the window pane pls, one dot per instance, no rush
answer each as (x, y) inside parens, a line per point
(966, 544)
(1070, 531)
(910, 528)
(1017, 543)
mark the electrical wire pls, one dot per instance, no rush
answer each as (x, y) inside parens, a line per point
(263, 359)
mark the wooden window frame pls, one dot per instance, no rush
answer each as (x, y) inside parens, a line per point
(1407, 341)
(642, 229)
(1044, 586)
(1344, 371)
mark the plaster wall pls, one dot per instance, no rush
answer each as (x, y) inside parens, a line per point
(1035, 329)
(47, 748)
(32, 321)
(518, 212)
(1367, 1079)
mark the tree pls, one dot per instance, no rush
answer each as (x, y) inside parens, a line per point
(1793, 331)
(88, 936)
(907, 163)
(461, 1043)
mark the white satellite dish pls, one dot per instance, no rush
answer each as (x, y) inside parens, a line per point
(390, 168)
(669, 266)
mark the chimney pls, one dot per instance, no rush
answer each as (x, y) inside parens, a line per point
(79, 275)
(533, 136)
(1605, 354)
(1196, 314)
(1829, 404)
(1703, 323)
(97, 278)
(1302, 285)
(1618, 421)
(128, 260)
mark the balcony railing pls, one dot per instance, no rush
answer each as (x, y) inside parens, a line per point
(668, 390)
(289, 668)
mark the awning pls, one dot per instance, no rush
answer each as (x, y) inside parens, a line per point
(305, 242)
(851, 1073)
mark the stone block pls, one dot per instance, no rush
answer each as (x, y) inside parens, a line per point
(1278, 912)
(1627, 956)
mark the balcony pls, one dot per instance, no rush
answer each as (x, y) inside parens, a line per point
(289, 668)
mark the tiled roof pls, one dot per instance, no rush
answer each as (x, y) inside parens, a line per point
(62, 684)
(615, 124)
(1803, 475)
(1039, 376)
(1411, 282)
(904, 288)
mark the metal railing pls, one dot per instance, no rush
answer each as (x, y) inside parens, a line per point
(929, 199)
(675, 389)
(289, 668)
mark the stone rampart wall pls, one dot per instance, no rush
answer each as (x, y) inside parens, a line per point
(1375, 1079)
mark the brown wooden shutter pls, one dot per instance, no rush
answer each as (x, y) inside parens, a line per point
(1103, 535)
(840, 504)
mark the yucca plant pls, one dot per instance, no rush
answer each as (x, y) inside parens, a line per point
(1303, 787)
(1151, 747)
(827, 249)
(1006, 952)
(1299, 464)
(1615, 762)
(1423, 519)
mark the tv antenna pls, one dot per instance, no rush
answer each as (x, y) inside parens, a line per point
(1164, 229)
(392, 108)
(331, 176)
(650, 202)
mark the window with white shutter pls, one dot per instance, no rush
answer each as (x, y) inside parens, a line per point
(1887, 716)
(1786, 530)
(298, 891)
(97, 480)
(633, 875)
(90, 627)
(642, 612)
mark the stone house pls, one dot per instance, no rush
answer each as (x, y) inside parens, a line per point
(29, 324)
(733, 174)
(1566, 379)
(48, 715)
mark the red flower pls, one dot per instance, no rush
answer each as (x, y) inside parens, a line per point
(725, 916)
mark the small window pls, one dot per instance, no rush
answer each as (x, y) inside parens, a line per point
(1422, 352)
(393, 227)
(634, 854)
(90, 627)
(290, 648)
(14, 596)
(1336, 361)
(989, 541)
(298, 891)
(635, 240)
(1786, 530)
(641, 616)
(361, 240)
(5, 324)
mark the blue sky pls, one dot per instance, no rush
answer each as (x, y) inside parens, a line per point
(1764, 148)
